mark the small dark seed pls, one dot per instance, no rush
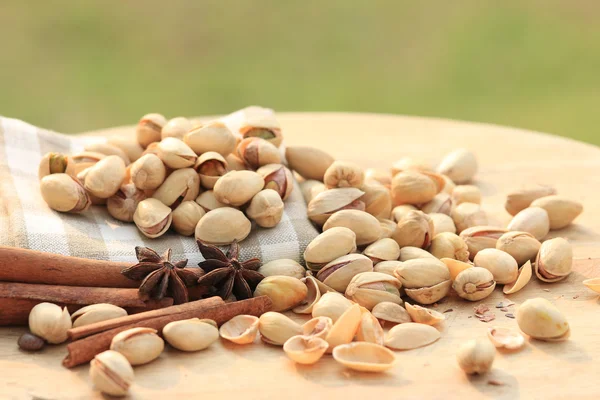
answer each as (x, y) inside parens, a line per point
(30, 342)
(509, 315)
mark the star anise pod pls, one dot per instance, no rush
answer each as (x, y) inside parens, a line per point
(160, 277)
(226, 274)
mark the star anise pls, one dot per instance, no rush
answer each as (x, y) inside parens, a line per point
(226, 274)
(161, 277)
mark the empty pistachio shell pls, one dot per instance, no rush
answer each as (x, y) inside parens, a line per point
(383, 250)
(411, 336)
(503, 267)
(414, 229)
(410, 253)
(182, 185)
(186, 217)
(455, 267)
(523, 279)
(266, 208)
(378, 175)
(310, 188)
(554, 261)
(370, 288)
(410, 163)
(561, 210)
(344, 329)
(329, 245)
(305, 349)
(123, 204)
(326, 203)
(191, 334)
(149, 128)
(343, 174)
(481, 237)
(317, 327)
(474, 283)
(152, 218)
(176, 128)
(369, 329)
(338, 273)
(593, 284)
(504, 338)
(148, 172)
(212, 136)
(241, 329)
(522, 246)
(129, 145)
(331, 305)
(449, 245)
(364, 225)
(391, 312)
(313, 295)
(111, 373)
(52, 163)
(541, 320)
(459, 165)
(50, 322)
(236, 188)
(422, 315)
(104, 178)
(412, 187)
(533, 220)
(309, 162)
(138, 345)
(275, 328)
(208, 201)
(210, 167)
(364, 357)
(278, 178)
(387, 228)
(63, 193)
(441, 203)
(400, 211)
(284, 266)
(476, 356)
(466, 194)
(284, 291)
(377, 199)
(96, 313)
(222, 226)
(467, 215)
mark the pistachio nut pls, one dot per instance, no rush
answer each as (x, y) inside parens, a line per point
(505, 338)
(318, 327)
(284, 291)
(96, 313)
(278, 178)
(523, 279)
(468, 215)
(241, 329)
(561, 210)
(554, 261)
(310, 188)
(422, 315)
(412, 187)
(151, 149)
(411, 336)
(387, 267)
(331, 305)
(425, 280)
(533, 220)
(449, 245)
(109, 150)
(186, 217)
(222, 226)
(343, 174)
(344, 329)
(149, 128)
(478, 238)
(593, 284)
(411, 252)
(390, 312)
(50, 322)
(104, 178)
(521, 199)
(80, 161)
(129, 145)
(212, 136)
(364, 225)
(256, 152)
(309, 162)
(364, 357)
(138, 345)
(369, 329)
(305, 349)
(234, 163)
(409, 163)
(148, 172)
(339, 272)
(208, 201)
(191, 334)
(236, 188)
(455, 266)
(388, 227)
(275, 328)
(111, 373)
(476, 356)
(329, 245)
(466, 194)
(382, 177)
(328, 202)
(370, 288)
(441, 203)
(52, 163)
(313, 295)
(176, 128)
(122, 205)
(414, 229)
(377, 199)
(502, 265)
(182, 185)
(474, 283)
(175, 153)
(266, 208)
(442, 223)
(400, 211)
(284, 266)
(542, 320)
(152, 218)
(261, 125)
(383, 250)
(459, 165)
(522, 246)
(449, 185)
(64, 193)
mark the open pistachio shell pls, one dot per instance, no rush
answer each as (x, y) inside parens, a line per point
(542, 320)
(441, 203)
(533, 220)
(139, 345)
(104, 178)
(278, 178)
(111, 373)
(343, 174)
(364, 225)
(430, 294)
(129, 145)
(364, 357)
(411, 253)
(261, 124)
(449, 245)
(505, 338)
(459, 165)
(331, 305)
(329, 245)
(149, 128)
(317, 327)
(310, 188)
(369, 329)
(305, 349)
(211, 136)
(411, 336)
(412, 187)
(422, 315)
(523, 279)
(370, 288)
(241, 329)
(236, 188)
(256, 152)
(415, 229)
(285, 292)
(386, 249)
(52, 163)
(474, 284)
(561, 210)
(122, 205)
(344, 329)
(283, 266)
(208, 201)
(266, 208)
(64, 193)
(522, 246)
(222, 226)
(377, 199)
(387, 228)
(210, 167)
(554, 261)
(387, 267)
(313, 295)
(327, 202)
(338, 273)
(391, 312)
(400, 211)
(80, 161)
(309, 162)
(148, 172)
(176, 154)
(422, 272)
(182, 185)
(96, 313)
(152, 218)
(455, 266)
(176, 128)
(109, 150)
(478, 238)
(275, 328)
(593, 284)
(522, 198)
(502, 265)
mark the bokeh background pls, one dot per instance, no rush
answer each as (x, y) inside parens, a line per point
(75, 66)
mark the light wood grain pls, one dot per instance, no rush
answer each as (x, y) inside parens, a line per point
(508, 159)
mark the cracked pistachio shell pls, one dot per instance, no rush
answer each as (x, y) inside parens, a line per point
(414, 229)
(278, 178)
(275, 328)
(186, 217)
(329, 245)
(222, 226)
(474, 284)
(442, 223)
(449, 245)
(111, 373)
(542, 320)
(593, 284)
(411, 336)
(523, 279)
(331, 305)
(502, 265)
(52, 163)
(342, 174)
(257, 152)
(317, 327)
(554, 261)
(533, 220)
(400, 211)
(309, 162)
(138, 345)
(148, 172)
(305, 350)
(96, 313)
(466, 194)
(377, 199)
(344, 329)
(109, 150)
(149, 128)
(176, 128)
(211, 136)
(459, 165)
(478, 238)
(387, 267)
(338, 273)
(411, 253)
(422, 315)
(262, 125)
(409, 163)
(380, 176)
(152, 218)
(430, 294)
(364, 225)
(561, 210)
(370, 288)
(236, 188)
(122, 205)
(50, 322)
(63, 193)
(191, 334)
(327, 202)
(182, 185)
(284, 266)
(455, 267)
(476, 356)
(208, 201)
(468, 215)
(176, 154)
(284, 291)
(241, 329)
(313, 295)
(370, 329)
(425, 280)
(505, 338)
(104, 178)
(522, 246)
(386, 249)
(521, 199)
(412, 187)
(129, 145)
(441, 203)
(266, 208)
(80, 161)
(364, 357)
(391, 312)
(387, 228)
(310, 188)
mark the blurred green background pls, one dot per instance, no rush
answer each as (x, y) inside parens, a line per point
(74, 66)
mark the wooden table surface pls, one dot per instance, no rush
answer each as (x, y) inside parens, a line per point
(508, 158)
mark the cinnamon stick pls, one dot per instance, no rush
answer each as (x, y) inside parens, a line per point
(84, 350)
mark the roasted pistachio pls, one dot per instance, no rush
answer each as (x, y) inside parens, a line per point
(478, 238)
(109, 150)
(182, 185)
(441, 203)
(502, 265)
(236, 188)
(449, 245)
(111, 373)
(409, 163)
(425, 280)
(148, 172)
(343, 174)
(390, 312)
(278, 178)
(474, 284)
(52, 163)
(208, 201)
(554, 261)
(50, 322)
(313, 294)
(542, 320)
(80, 161)
(129, 145)
(310, 188)
(468, 215)
(533, 220)
(63, 193)
(186, 217)
(364, 225)
(104, 178)
(234, 163)
(284, 291)
(370, 288)
(459, 165)
(382, 177)
(275, 328)
(149, 128)
(305, 349)
(283, 266)
(260, 124)
(309, 162)
(338, 273)
(96, 313)
(476, 356)
(266, 208)
(212, 136)
(327, 202)
(414, 229)
(422, 315)
(523, 279)
(455, 267)
(152, 218)
(442, 223)
(383, 250)
(222, 226)
(400, 211)
(387, 267)
(176, 154)
(388, 227)
(122, 205)
(411, 336)
(256, 152)
(410, 253)
(369, 329)
(466, 194)
(521, 199)
(176, 128)
(561, 210)
(377, 199)
(412, 187)
(522, 246)
(449, 185)
(191, 334)
(331, 305)
(328, 246)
